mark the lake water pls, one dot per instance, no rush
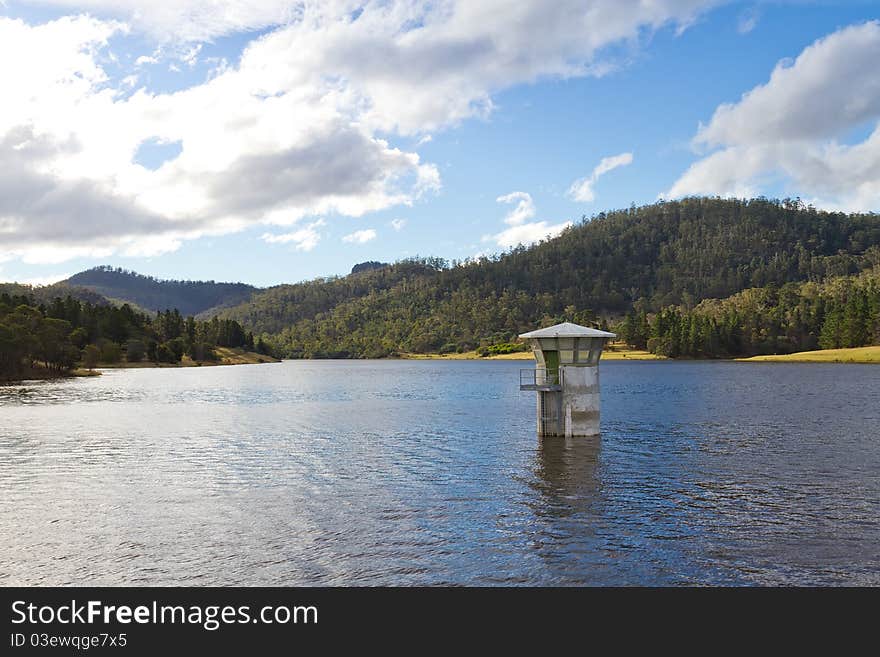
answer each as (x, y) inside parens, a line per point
(429, 472)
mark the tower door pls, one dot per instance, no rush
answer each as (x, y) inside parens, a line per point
(551, 359)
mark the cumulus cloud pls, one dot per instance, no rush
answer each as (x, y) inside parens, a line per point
(832, 85)
(793, 129)
(304, 239)
(47, 218)
(300, 127)
(524, 210)
(337, 167)
(189, 20)
(398, 224)
(529, 233)
(582, 190)
(522, 231)
(247, 156)
(360, 236)
(422, 66)
(40, 281)
(596, 22)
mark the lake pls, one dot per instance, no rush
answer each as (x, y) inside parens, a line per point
(430, 473)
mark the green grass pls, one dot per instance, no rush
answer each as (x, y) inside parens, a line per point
(854, 355)
(611, 352)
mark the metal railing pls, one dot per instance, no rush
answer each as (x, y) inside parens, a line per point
(540, 378)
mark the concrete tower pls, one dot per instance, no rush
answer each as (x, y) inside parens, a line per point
(566, 377)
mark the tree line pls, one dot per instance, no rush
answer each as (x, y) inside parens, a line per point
(57, 336)
(838, 313)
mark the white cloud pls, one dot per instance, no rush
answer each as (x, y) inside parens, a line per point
(304, 239)
(302, 126)
(189, 20)
(360, 236)
(582, 190)
(422, 66)
(39, 281)
(529, 233)
(46, 217)
(599, 22)
(247, 156)
(427, 139)
(54, 255)
(398, 224)
(521, 232)
(524, 210)
(831, 86)
(414, 65)
(789, 130)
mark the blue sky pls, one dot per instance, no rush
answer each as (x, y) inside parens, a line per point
(461, 139)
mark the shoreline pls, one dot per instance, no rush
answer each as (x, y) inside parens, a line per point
(42, 374)
(854, 355)
(608, 354)
(228, 356)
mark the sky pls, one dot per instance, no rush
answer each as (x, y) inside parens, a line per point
(272, 141)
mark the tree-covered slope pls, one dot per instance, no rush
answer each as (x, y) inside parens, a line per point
(841, 312)
(189, 297)
(276, 308)
(652, 257)
(47, 293)
(38, 339)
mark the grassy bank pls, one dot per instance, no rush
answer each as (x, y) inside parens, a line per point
(855, 355)
(625, 353)
(614, 352)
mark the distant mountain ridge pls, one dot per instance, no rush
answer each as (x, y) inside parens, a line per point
(47, 293)
(152, 294)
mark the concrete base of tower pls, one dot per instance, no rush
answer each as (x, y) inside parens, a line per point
(580, 401)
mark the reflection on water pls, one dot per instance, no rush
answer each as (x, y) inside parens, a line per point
(425, 472)
(565, 475)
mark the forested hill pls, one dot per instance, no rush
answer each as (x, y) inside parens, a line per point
(45, 294)
(841, 312)
(151, 294)
(39, 339)
(646, 258)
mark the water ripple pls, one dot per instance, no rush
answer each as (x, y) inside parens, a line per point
(420, 472)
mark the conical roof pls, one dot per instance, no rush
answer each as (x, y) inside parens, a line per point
(568, 330)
